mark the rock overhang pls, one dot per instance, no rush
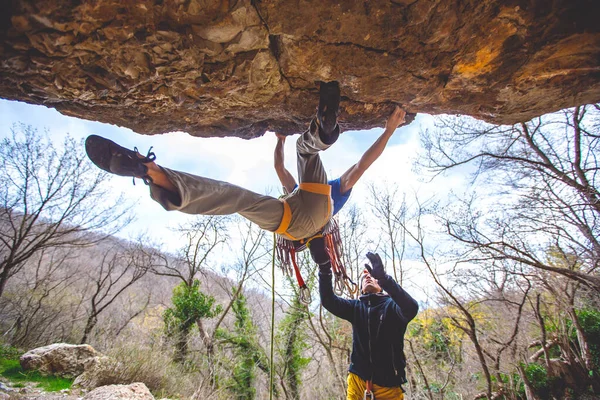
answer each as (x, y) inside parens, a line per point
(239, 68)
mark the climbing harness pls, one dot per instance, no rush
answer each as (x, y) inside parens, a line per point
(369, 391)
(318, 188)
(286, 254)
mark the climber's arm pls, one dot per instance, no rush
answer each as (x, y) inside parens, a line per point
(353, 174)
(285, 177)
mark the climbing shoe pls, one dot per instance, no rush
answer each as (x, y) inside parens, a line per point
(329, 105)
(118, 160)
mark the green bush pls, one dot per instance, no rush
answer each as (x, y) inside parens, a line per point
(590, 323)
(538, 378)
(9, 352)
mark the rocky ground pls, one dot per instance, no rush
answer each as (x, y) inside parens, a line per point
(30, 391)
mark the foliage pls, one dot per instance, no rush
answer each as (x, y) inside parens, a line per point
(133, 360)
(9, 352)
(292, 338)
(590, 323)
(247, 353)
(538, 377)
(189, 305)
(438, 335)
(10, 368)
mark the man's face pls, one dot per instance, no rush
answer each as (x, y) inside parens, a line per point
(370, 284)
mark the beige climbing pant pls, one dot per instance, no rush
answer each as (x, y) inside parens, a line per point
(310, 211)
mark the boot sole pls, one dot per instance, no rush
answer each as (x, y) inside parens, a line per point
(329, 104)
(98, 150)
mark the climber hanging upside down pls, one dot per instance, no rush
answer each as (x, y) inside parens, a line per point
(300, 215)
(341, 189)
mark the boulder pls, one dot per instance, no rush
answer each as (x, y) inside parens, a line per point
(101, 371)
(135, 391)
(60, 359)
(238, 68)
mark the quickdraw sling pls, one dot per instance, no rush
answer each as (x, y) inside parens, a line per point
(286, 254)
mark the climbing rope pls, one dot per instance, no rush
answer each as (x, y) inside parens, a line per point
(272, 317)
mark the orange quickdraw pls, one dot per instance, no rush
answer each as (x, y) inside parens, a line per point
(297, 269)
(342, 280)
(305, 297)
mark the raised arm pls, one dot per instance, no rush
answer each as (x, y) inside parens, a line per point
(353, 174)
(338, 306)
(407, 307)
(285, 177)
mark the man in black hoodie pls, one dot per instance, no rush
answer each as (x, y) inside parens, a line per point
(378, 321)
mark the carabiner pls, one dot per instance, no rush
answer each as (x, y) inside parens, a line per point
(368, 395)
(305, 297)
(338, 286)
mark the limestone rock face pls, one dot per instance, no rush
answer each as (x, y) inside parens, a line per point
(135, 391)
(60, 359)
(237, 68)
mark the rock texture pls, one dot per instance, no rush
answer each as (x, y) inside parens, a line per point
(237, 68)
(60, 359)
(135, 391)
(102, 371)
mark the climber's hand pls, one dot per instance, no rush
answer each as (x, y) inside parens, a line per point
(377, 270)
(319, 254)
(396, 119)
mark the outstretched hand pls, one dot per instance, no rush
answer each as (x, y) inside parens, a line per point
(377, 270)
(319, 253)
(396, 119)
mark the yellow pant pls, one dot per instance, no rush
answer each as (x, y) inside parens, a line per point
(356, 390)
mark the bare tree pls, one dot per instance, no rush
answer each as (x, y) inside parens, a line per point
(540, 176)
(49, 198)
(203, 236)
(355, 241)
(119, 268)
(390, 211)
(33, 313)
(252, 251)
(529, 225)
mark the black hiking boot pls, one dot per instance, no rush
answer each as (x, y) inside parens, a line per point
(329, 105)
(118, 160)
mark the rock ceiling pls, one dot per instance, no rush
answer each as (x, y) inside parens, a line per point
(238, 68)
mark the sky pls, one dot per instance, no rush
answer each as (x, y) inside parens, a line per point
(247, 163)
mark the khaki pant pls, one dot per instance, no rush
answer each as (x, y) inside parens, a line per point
(356, 390)
(310, 211)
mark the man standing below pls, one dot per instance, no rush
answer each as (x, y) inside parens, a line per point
(341, 187)
(378, 321)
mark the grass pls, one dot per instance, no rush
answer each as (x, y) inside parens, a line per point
(10, 368)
